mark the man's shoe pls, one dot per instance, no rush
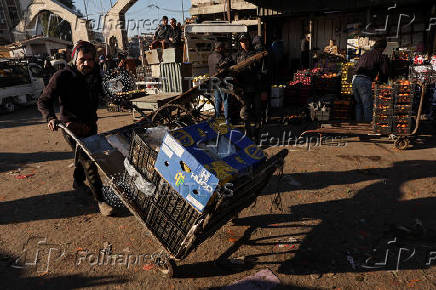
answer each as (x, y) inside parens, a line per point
(105, 209)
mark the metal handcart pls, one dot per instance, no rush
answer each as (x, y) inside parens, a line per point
(177, 226)
(365, 130)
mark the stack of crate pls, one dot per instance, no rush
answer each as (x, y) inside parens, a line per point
(393, 108)
(167, 64)
(342, 109)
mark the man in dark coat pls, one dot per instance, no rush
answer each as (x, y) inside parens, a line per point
(78, 89)
(161, 35)
(175, 33)
(370, 65)
(248, 80)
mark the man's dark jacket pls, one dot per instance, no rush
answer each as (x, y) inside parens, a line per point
(372, 63)
(78, 96)
(163, 32)
(176, 34)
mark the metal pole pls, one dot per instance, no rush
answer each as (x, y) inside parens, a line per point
(183, 14)
(229, 11)
(86, 9)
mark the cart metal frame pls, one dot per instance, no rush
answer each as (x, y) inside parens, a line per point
(109, 161)
(401, 141)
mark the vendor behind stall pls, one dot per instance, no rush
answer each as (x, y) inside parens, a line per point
(332, 48)
(305, 51)
(370, 65)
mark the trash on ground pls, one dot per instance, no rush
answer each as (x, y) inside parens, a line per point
(262, 280)
(24, 176)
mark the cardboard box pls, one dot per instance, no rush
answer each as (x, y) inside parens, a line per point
(172, 55)
(153, 56)
(196, 159)
(176, 77)
(155, 71)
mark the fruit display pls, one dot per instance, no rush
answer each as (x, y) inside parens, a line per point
(346, 78)
(423, 73)
(199, 79)
(392, 108)
(303, 77)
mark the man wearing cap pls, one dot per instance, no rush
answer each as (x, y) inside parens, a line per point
(249, 82)
(370, 65)
(162, 34)
(78, 89)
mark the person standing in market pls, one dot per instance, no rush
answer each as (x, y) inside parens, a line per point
(161, 35)
(175, 37)
(370, 65)
(249, 82)
(78, 89)
(305, 51)
(216, 62)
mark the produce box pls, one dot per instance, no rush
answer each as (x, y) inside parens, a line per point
(174, 54)
(153, 56)
(155, 71)
(196, 159)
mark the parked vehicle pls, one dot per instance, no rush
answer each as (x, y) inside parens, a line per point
(21, 83)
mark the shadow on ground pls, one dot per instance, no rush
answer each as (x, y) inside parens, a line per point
(23, 117)
(11, 161)
(44, 207)
(354, 233)
(13, 278)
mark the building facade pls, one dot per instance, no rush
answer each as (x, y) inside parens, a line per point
(243, 12)
(11, 12)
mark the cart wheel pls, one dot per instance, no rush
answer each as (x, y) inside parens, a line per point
(402, 143)
(173, 116)
(166, 267)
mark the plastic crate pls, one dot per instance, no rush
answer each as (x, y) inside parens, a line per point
(384, 101)
(402, 108)
(402, 127)
(382, 128)
(383, 109)
(167, 215)
(404, 98)
(382, 119)
(143, 157)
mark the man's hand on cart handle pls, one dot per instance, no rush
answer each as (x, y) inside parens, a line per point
(53, 124)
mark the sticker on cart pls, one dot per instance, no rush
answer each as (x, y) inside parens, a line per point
(170, 142)
(167, 150)
(202, 179)
(195, 202)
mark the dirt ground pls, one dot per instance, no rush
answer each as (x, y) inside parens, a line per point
(332, 229)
